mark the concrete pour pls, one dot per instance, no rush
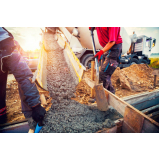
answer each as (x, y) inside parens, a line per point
(66, 115)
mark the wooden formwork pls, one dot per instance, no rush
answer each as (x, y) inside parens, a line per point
(134, 121)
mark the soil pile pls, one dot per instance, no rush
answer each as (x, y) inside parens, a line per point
(83, 93)
(128, 81)
(13, 102)
(132, 80)
(66, 115)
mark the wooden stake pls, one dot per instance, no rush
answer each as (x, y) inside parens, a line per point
(92, 78)
(155, 76)
(155, 73)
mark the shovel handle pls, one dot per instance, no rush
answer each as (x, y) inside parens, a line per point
(96, 60)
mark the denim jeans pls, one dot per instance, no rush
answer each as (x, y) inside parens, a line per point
(28, 91)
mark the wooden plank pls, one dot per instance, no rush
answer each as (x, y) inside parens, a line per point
(89, 82)
(115, 102)
(133, 121)
(149, 127)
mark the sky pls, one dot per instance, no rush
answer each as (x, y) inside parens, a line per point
(147, 31)
(29, 37)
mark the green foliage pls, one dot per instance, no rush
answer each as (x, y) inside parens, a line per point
(154, 62)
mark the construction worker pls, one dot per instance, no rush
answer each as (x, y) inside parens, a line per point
(133, 40)
(11, 60)
(111, 41)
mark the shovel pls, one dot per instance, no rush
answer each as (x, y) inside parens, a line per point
(102, 103)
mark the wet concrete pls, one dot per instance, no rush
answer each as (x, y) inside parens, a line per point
(66, 115)
(77, 118)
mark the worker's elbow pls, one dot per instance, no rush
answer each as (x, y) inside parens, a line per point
(113, 42)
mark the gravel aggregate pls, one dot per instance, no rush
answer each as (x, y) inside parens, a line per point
(66, 115)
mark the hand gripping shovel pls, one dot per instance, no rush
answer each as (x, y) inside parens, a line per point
(102, 103)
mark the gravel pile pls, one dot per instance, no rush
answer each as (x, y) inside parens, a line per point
(66, 115)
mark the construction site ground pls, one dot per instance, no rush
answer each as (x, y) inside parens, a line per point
(141, 74)
(68, 109)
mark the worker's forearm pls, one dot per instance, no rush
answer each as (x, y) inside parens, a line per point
(108, 46)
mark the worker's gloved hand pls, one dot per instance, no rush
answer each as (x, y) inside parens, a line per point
(91, 28)
(38, 113)
(99, 54)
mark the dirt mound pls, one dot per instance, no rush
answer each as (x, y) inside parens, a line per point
(128, 81)
(137, 77)
(83, 93)
(13, 102)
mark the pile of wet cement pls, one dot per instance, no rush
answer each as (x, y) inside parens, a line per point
(78, 118)
(66, 115)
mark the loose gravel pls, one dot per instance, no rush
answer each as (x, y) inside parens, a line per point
(66, 115)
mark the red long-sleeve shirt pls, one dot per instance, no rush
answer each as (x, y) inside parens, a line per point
(108, 34)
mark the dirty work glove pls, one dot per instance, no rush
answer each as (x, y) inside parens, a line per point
(91, 28)
(99, 54)
(38, 113)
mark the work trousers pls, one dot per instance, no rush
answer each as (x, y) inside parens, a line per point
(28, 91)
(109, 63)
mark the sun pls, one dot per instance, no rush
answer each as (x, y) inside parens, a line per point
(32, 42)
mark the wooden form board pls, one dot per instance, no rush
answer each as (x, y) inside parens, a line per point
(134, 120)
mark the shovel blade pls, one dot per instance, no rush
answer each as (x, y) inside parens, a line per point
(102, 103)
